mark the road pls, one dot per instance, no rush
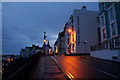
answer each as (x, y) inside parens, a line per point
(88, 67)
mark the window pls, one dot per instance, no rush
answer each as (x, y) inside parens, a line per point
(113, 29)
(104, 33)
(78, 42)
(78, 32)
(72, 20)
(111, 14)
(103, 6)
(67, 34)
(102, 20)
(68, 40)
(72, 28)
(77, 20)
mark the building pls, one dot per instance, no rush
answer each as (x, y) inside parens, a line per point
(36, 49)
(47, 49)
(56, 47)
(110, 31)
(110, 24)
(29, 51)
(22, 53)
(59, 46)
(81, 31)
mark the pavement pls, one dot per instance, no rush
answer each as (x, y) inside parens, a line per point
(47, 69)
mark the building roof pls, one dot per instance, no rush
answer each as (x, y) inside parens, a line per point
(49, 44)
(28, 47)
(61, 34)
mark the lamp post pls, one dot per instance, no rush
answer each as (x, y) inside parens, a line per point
(44, 41)
(85, 42)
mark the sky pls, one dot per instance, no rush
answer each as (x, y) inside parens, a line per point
(23, 23)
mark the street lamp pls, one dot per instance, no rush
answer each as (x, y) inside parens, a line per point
(69, 30)
(45, 41)
(85, 42)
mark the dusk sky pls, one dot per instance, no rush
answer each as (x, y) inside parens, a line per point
(23, 23)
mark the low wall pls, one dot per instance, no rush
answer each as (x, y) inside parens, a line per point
(107, 54)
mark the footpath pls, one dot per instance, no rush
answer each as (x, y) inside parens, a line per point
(48, 69)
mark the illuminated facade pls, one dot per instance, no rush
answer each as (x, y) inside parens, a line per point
(59, 46)
(29, 51)
(81, 31)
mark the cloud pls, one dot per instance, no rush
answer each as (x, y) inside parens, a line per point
(24, 23)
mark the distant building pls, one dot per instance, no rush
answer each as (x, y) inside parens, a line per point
(110, 24)
(59, 45)
(23, 53)
(56, 47)
(81, 31)
(47, 49)
(29, 51)
(36, 49)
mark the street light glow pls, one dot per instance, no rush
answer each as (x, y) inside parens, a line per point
(44, 41)
(69, 30)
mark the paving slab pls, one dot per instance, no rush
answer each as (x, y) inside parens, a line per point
(47, 69)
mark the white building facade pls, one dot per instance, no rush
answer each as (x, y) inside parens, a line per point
(81, 31)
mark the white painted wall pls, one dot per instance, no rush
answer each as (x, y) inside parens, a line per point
(88, 29)
(106, 54)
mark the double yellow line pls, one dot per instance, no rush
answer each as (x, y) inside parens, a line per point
(70, 76)
(64, 70)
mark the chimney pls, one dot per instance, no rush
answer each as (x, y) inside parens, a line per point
(84, 8)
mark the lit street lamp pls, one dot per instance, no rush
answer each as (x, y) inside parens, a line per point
(44, 41)
(69, 30)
